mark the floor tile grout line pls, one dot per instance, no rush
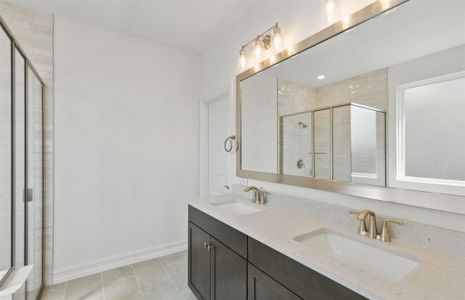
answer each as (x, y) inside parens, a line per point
(172, 280)
(137, 280)
(66, 290)
(103, 287)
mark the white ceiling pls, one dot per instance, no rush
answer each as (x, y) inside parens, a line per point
(187, 24)
(413, 30)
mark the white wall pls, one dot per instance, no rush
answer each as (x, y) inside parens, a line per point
(126, 147)
(299, 19)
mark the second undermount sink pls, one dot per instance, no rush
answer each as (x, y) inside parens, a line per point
(359, 256)
(237, 208)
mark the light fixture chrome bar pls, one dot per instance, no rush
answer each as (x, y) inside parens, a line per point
(276, 25)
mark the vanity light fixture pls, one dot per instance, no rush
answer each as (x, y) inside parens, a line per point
(264, 41)
(321, 77)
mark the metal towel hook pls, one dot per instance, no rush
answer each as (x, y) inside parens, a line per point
(228, 143)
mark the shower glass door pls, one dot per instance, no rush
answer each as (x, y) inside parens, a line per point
(21, 166)
(35, 172)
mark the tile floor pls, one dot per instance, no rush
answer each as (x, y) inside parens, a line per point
(164, 278)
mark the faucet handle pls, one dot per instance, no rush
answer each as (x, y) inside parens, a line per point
(362, 227)
(385, 235)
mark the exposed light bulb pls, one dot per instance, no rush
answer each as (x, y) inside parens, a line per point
(321, 77)
(329, 7)
(243, 58)
(258, 48)
(277, 36)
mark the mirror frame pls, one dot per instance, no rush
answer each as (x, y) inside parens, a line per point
(444, 202)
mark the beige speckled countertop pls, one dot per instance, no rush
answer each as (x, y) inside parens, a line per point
(437, 276)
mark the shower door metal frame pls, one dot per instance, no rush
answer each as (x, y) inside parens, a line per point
(28, 66)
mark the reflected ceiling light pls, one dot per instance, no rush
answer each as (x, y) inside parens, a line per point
(321, 77)
(262, 43)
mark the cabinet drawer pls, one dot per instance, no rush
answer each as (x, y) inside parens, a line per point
(263, 287)
(234, 239)
(298, 278)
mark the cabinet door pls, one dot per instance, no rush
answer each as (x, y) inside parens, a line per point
(199, 262)
(229, 273)
(263, 287)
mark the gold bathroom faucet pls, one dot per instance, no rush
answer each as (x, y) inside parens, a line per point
(372, 232)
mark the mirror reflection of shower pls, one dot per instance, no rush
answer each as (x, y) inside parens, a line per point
(342, 142)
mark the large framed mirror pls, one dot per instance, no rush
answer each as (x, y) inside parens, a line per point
(372, 106)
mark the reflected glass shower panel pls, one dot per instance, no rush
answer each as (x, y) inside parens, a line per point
(367, 146)
(322, 137)
(342, 143)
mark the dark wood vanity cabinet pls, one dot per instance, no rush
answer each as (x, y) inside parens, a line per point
(199, 262)
(225, 264)
(215, 271)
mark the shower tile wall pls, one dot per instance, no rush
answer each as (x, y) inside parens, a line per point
(297, 144)
(296, 129)
(34, 32)
(369, 89)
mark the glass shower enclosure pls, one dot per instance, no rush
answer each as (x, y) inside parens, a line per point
(21, 165)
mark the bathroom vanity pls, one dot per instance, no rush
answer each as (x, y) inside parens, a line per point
(227, 264)
(371, 107)
(294, 248)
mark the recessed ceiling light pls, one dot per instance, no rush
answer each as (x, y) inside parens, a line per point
(320, 77)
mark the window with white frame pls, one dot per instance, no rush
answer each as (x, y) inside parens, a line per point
(431, 132)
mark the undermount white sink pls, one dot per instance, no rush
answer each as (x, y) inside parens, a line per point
(359, 256)
(237, 208)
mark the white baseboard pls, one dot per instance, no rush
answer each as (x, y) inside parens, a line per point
(111, 262)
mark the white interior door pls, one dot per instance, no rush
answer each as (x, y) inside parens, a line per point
(219, 161)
